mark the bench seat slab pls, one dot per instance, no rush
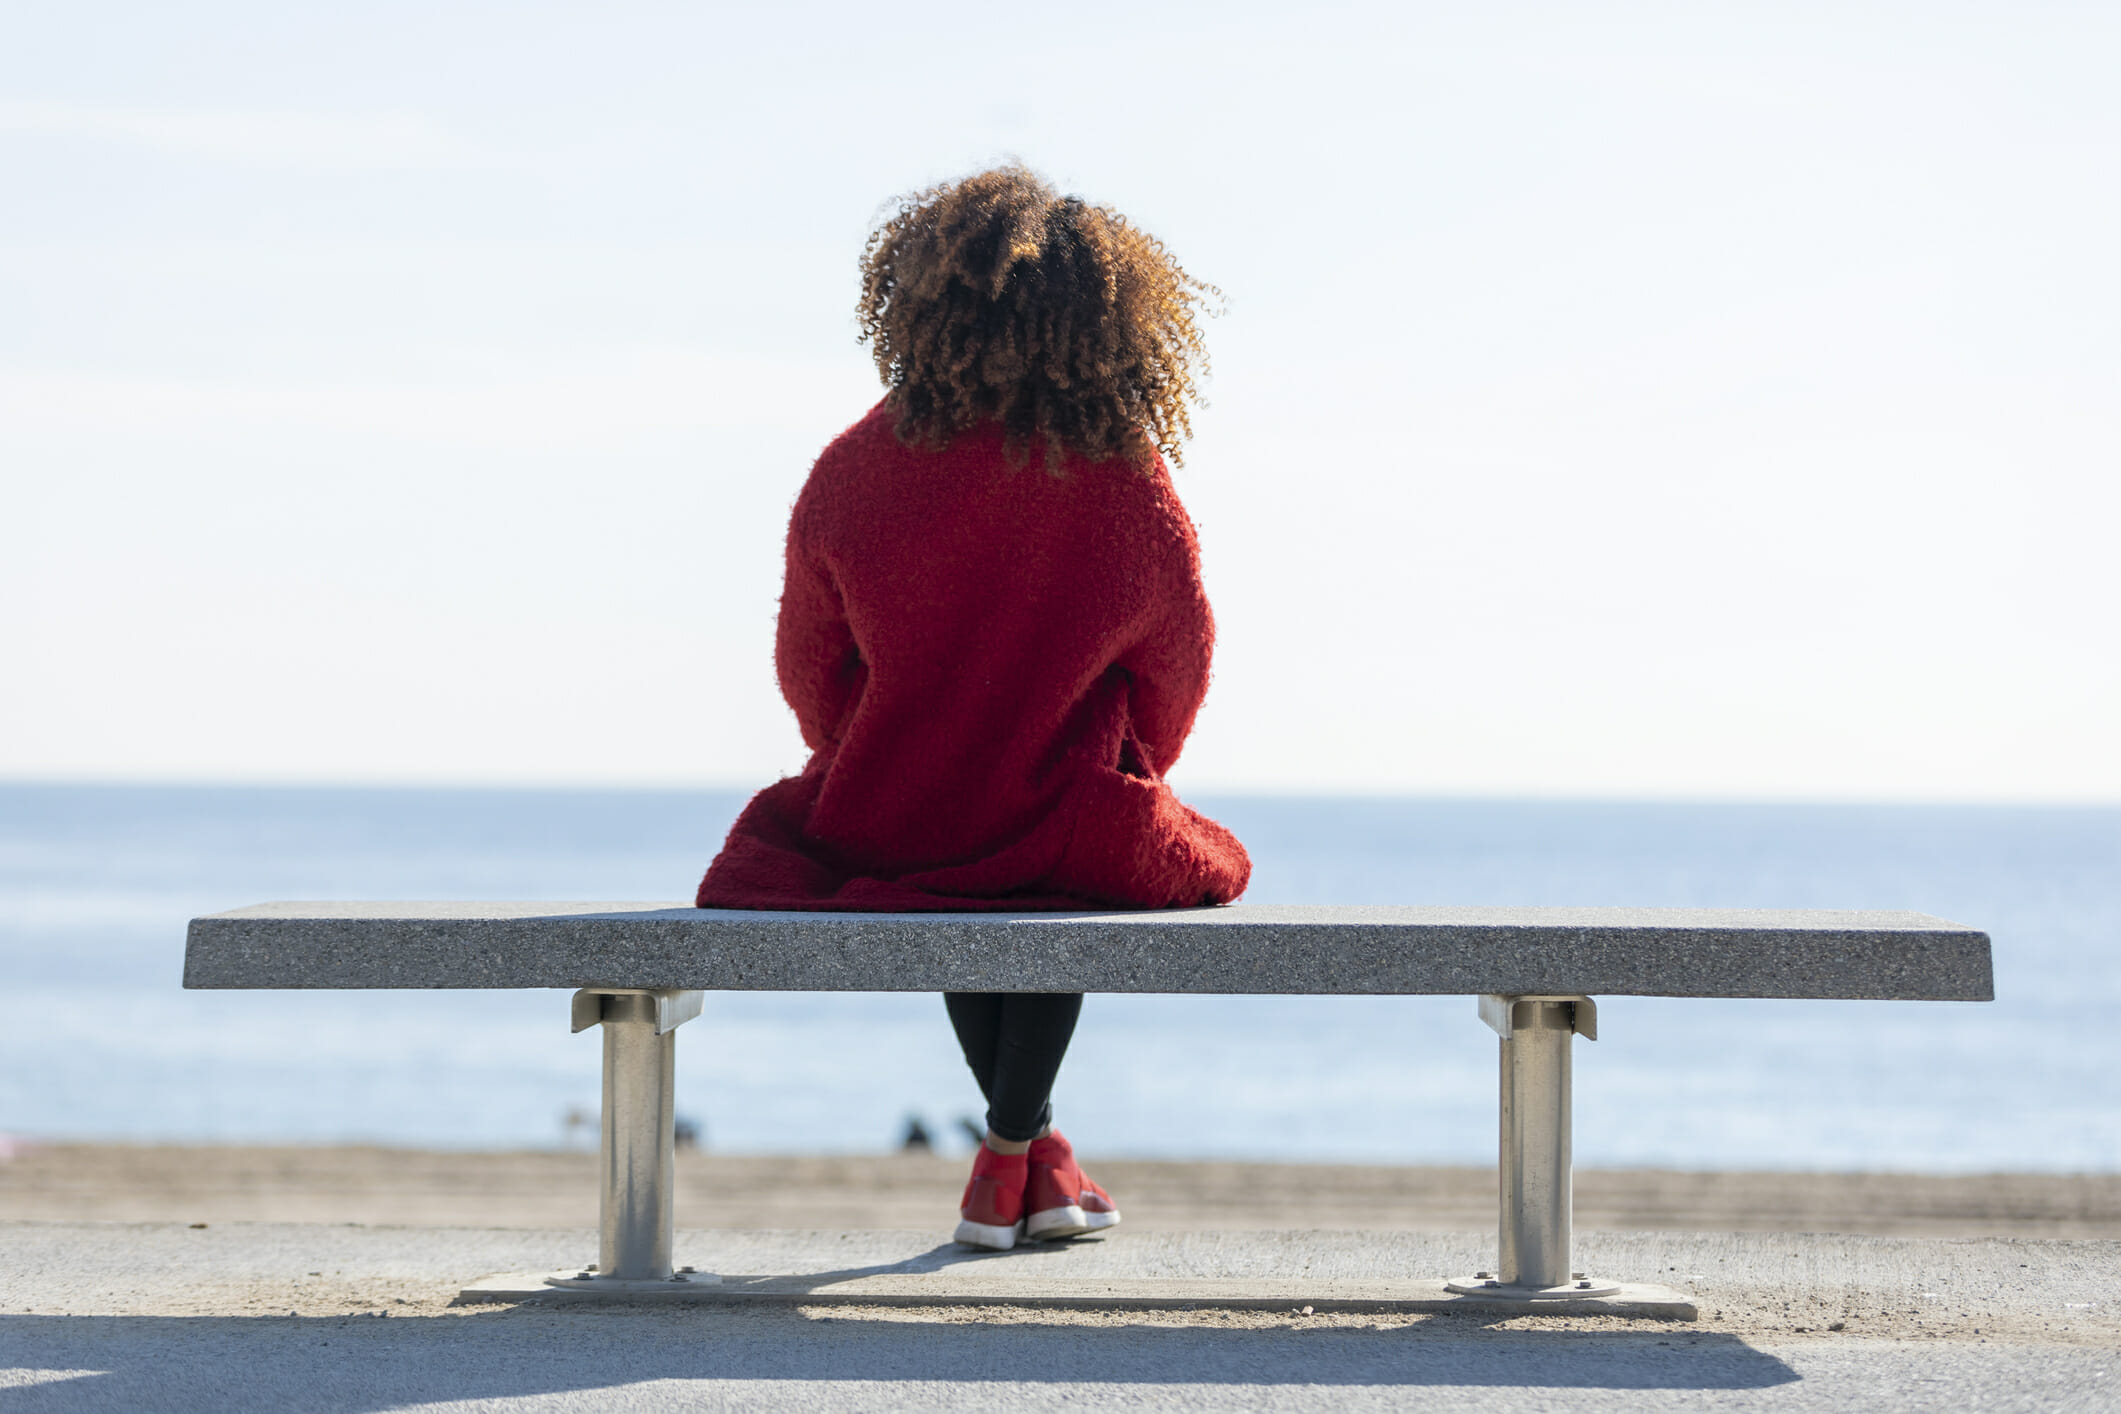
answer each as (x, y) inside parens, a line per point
(1242, 948)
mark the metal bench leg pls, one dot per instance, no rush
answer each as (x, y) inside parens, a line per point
(639, 1140)
(1537, 1033)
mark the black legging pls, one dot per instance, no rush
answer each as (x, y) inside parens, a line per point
(1014, 1042)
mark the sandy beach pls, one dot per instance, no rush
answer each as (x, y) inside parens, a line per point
(550, 1189)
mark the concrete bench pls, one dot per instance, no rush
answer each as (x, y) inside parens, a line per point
(639, 969)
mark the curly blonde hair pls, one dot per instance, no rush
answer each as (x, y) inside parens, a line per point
(995, 298)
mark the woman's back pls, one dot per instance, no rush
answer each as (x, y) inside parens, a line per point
(993, 664)
(986, 603)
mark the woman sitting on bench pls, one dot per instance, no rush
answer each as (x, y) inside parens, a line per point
(993, 631)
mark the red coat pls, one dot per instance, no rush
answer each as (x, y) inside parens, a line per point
(993, 667)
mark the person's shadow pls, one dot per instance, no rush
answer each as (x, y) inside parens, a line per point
(935, 1259)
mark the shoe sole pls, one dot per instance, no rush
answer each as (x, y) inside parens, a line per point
(1067, 1224)
(1070, 1221)
(1067, 1221)
(991, 1236)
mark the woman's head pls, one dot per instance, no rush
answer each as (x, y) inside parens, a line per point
(997, 299)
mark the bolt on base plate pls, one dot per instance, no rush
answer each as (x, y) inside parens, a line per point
(678, 1283)
(1494, 1290)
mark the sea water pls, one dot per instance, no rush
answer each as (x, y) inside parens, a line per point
(101, 1042)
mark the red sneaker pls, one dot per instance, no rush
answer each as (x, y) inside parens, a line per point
(1062, 1199)
(992, 1213)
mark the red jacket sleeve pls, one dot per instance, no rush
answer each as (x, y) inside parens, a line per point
(1169, 662)
(814, 651)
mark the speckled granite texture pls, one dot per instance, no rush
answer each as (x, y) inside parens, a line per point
(1256, 948)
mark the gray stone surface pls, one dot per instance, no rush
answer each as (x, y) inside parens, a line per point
(951, 1276)
(1255, 948)
(101, 1316)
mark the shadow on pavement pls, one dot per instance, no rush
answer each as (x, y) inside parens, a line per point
(361, 1363)
(938, 1258)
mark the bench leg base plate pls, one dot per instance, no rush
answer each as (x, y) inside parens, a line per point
(1493, 1290)
(578, 1281)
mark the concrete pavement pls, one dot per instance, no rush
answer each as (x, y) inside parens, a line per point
(103, 1316)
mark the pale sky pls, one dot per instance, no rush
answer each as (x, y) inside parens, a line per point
(1660, 400)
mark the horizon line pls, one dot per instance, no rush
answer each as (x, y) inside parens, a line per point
(1230, 791)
